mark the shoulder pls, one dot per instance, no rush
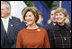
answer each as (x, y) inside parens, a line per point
(48, 26)
(42, 30)
(21, 31)
(40, 25)
(16, 19)
(23, 23)
(68, 27)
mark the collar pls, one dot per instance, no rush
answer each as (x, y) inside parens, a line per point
(8, 17)
(54, 23)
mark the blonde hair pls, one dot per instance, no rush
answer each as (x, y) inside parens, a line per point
(65, 15)
(49, 21)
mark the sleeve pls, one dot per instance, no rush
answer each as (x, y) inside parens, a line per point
(46, 40)
(19, 41)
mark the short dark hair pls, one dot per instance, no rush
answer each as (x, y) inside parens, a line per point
(53, 8)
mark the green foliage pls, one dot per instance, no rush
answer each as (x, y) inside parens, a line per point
(50, 4)
(29, 3)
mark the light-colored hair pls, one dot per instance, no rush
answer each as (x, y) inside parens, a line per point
(58, 10)
(39, 13)
(7, 3)
(49, 21)
(33, 10)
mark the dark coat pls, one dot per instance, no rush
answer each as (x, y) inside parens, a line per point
(8, 39)
(50, 29)
(60, 36)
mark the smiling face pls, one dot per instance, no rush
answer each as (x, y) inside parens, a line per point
(30, 15)
(60, 17)
(29, 18)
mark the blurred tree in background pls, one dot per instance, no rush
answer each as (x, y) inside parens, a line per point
(50, 4)
(29, 3)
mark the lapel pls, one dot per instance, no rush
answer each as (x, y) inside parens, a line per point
(10, 26)
(2, 27)
(51, 25)
(3, 33)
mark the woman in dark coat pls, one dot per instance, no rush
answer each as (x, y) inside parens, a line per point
(61, 31)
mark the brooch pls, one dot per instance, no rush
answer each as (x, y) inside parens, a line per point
(38, 29)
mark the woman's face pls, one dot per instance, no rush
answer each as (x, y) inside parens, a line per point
(29, 18)
(60, 17)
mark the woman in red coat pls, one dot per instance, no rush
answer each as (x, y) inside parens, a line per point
(33, 36)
